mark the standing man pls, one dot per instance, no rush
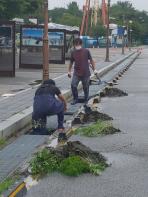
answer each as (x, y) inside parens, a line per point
(46, 104)
(81, 58)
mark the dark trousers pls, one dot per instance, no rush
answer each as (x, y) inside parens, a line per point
(60, 119)
(39, 119)
(85, 83)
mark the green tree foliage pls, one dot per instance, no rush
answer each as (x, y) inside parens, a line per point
(122, 9)
(56, 14)
(10, 9)
(73, 9)
(69, 19)
(71, 16)
(123, 12)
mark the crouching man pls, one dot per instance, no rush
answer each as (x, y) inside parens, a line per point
(46, 104)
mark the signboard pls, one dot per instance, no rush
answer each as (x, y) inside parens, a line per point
(31, 54)
(7, 48)
(32, 37)
(120, 31)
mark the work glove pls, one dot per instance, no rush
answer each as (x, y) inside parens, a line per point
(95, 72)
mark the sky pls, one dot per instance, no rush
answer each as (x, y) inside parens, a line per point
(137, 4)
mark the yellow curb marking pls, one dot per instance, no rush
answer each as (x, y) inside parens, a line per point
(17, 190)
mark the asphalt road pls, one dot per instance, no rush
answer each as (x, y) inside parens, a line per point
(127, 151)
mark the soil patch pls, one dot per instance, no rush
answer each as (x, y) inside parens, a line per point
(95, 116)
(90, 115)
(78, 149)
(72, 159)
(113, 92)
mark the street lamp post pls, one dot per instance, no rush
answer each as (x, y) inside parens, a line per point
(130, 34)
(107, 33)
(123, 41)
(130, 39)
(45, 43)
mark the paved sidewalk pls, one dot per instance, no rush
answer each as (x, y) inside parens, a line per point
(22, 100)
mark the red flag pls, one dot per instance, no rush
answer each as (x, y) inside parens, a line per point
(104, 12)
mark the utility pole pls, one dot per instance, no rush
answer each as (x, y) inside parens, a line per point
(130, 39)
(45, 44)
(107, 33)
(122, 44)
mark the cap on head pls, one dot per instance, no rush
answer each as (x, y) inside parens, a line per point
(49, 82)
(78, 41)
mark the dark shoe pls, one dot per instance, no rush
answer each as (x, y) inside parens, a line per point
(40, 131)
(85, 101)
(62, 137)
(74, 102)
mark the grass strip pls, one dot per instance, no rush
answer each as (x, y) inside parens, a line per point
(4, 185)
(2, 142)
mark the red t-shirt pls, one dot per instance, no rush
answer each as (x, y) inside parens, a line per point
(80, 58)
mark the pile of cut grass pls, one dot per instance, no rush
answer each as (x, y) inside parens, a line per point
(74, 166)
(46, 162)
(43, 163)
(98, 128)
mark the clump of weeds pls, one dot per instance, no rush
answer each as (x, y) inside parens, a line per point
(98, 128)
(2, 142)
(43, 163)
(74, 166)
(7, 183)
(48, 161)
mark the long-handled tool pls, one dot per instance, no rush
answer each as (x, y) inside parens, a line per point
(97, 81)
